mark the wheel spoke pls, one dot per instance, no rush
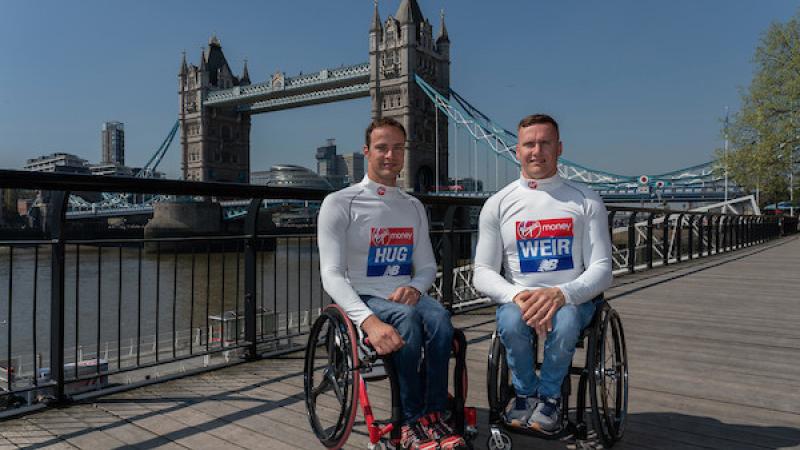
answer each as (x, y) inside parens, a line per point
(337, 388)
(324, 384)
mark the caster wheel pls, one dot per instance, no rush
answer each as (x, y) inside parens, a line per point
(499, 440)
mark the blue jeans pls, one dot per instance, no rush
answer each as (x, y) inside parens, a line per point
(559, 347)
(426, 324)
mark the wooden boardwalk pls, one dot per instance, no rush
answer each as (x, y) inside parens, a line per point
(715, 363)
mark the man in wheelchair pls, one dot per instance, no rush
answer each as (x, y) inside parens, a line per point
(377, 263)
(550, 238)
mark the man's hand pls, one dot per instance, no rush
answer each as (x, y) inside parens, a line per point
(406, 295)
(539, 306)
(382, 336)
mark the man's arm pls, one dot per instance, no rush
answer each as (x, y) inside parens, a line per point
(332, 241)
(424, 262)
(596, 243)
(489, 258)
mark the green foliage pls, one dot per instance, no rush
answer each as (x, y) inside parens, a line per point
(766, 130)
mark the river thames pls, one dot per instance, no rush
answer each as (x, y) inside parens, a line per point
(116, 295)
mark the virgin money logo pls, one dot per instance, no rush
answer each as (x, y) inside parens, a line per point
(391, 236)
(544, 228)
(381, 190)
(529, 229)
(380, 236)
(532, 184)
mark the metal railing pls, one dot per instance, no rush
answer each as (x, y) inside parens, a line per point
(84, 314)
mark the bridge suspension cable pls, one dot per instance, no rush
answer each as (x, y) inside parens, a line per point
(502, 142)
(121, 200)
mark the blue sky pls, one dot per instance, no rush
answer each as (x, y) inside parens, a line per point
(638, 87)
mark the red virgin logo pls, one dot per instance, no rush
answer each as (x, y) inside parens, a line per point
(380, 235)
(529, 229)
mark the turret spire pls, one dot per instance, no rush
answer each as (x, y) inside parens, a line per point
(409, 12)
(443, 37)
(184, 65)
(376, 19)
(202, 59)
(245, 75)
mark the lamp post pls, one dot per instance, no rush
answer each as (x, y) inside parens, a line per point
(725, 155)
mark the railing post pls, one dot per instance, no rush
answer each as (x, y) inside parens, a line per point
(716, 232)
(728, 234)
(745, 222)
(679, 237)
(250, 282)
(710, 233)
(56, 220)
(665, 239)
(632, 242)
(759, 221)
(650, 240)
(448, 257)
(700, 235)
(611, 234)
(691, 236)
(739, 232)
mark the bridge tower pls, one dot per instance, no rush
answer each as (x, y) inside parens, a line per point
(400, 47)
(215, 142)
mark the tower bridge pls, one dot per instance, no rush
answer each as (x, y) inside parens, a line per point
(216, 105)
(407, 77)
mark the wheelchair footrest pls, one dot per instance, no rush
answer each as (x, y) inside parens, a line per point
(566, 430)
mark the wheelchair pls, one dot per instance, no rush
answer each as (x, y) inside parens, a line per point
(604, 374)
(338, 365)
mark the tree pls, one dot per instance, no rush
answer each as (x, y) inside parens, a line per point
(765, 133)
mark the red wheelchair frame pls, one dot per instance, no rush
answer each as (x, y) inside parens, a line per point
(352, 362)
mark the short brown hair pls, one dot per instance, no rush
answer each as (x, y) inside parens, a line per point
(533, 119)
(382, 122)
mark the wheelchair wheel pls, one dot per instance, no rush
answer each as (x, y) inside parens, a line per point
(608, 379)
(498, 377)
(331, 382)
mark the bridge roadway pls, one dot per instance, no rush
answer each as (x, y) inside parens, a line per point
(714, 348)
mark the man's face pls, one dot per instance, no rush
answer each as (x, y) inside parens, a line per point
(385, 155)
(538, 150)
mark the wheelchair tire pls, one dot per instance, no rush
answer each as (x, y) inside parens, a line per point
(331, 382)
(608, 377)
(498, 377)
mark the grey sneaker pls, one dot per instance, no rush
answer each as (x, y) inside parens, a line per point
(547, 416)
(520, 410)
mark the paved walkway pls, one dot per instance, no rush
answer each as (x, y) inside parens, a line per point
(715, 363)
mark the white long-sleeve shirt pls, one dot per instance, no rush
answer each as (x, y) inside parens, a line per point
(372, 239)
(543, 233)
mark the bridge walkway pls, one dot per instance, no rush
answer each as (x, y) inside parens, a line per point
(714, 348)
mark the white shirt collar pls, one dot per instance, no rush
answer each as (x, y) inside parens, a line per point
(543, 184)
(378, 189)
